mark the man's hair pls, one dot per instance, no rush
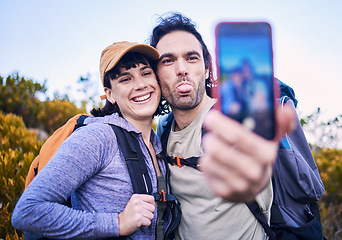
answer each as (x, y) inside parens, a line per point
(128, 61)
(177, 22)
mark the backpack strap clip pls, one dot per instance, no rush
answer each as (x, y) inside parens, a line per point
(177, 161)
(163, 196)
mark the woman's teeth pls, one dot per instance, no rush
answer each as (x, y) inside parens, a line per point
(142, 98)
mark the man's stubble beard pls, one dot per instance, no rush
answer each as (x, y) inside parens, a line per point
(175, 100)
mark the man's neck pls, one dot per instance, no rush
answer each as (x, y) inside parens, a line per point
(184, 118)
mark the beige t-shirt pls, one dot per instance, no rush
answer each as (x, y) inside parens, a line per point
(205, 216)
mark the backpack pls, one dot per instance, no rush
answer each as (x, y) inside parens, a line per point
(134, 159)
(297, 187)
(51, 146)
(294, 211)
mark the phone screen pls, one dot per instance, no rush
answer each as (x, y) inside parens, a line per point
(244, 59)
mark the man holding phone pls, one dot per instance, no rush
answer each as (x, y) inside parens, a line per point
(236, 163)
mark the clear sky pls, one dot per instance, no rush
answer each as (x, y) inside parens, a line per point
(59, 41)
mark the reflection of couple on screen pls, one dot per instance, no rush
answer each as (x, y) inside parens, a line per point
(244, 92)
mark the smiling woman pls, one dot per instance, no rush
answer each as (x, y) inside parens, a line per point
(135, 89)
(91, 158)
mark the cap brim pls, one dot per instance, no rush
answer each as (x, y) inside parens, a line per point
(141, 48)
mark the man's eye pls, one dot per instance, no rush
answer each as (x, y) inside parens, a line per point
(193, 58)
(166, 61)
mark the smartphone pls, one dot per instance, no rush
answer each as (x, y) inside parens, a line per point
(246, 86)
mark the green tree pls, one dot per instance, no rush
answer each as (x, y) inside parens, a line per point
(19, 96)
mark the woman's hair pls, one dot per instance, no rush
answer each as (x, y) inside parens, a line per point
(128, 61)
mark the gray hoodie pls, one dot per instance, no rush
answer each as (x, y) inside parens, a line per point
(90, 167)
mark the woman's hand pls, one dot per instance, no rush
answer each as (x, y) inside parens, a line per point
(138, 212)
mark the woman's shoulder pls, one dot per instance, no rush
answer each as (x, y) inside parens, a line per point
(108, 120)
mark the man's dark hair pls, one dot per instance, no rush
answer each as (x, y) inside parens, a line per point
(128, 61)
(177, 22)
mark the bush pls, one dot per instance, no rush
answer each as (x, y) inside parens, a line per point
(17, 150)
(56, 113)
(20, 96)
(329, 162)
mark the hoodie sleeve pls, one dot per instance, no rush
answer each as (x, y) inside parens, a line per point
(40, 209)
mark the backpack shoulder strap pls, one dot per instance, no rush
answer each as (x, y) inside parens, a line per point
(255, 209)
(51, 146)
(135, 161)
(141, 181)
(166, 125)
(179, 161)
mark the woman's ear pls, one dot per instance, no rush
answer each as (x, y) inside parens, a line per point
(109, 95)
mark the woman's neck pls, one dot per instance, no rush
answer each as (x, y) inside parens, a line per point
(144, 126)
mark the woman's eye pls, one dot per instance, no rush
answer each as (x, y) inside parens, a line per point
(147, 73)
(124, 80)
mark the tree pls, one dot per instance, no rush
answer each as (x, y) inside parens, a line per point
(323, 133)
(91, 97)
(19, 96)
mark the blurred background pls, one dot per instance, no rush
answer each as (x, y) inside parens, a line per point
(59, 41)
(49, 58)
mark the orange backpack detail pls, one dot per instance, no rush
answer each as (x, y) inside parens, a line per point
(50, 147)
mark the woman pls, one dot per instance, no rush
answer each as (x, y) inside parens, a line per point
(89, 165)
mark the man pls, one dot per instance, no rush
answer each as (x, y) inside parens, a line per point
(237, 163)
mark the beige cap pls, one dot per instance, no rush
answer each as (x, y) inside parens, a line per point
(112, 54)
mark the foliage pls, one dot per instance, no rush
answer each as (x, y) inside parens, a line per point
(325, 138)
(19, 96)
(329, 162)
(19, 146)
(323, 133)
(55, 113)
(91, 97)
(17, 150)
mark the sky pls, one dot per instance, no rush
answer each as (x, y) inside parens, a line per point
(59, 41)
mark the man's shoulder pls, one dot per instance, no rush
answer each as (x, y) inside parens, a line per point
(163, 121)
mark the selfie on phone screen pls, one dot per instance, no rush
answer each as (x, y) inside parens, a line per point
(245, 73)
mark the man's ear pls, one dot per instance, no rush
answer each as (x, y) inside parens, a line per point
(109, 95)
(207, 73)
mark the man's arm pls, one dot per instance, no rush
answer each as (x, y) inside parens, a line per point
(237, 162)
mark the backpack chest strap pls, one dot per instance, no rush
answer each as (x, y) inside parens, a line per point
(180, 162)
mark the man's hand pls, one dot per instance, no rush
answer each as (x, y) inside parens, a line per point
(237, 162)
(138, 212)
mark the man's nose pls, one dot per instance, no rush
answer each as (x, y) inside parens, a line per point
(182, 69)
